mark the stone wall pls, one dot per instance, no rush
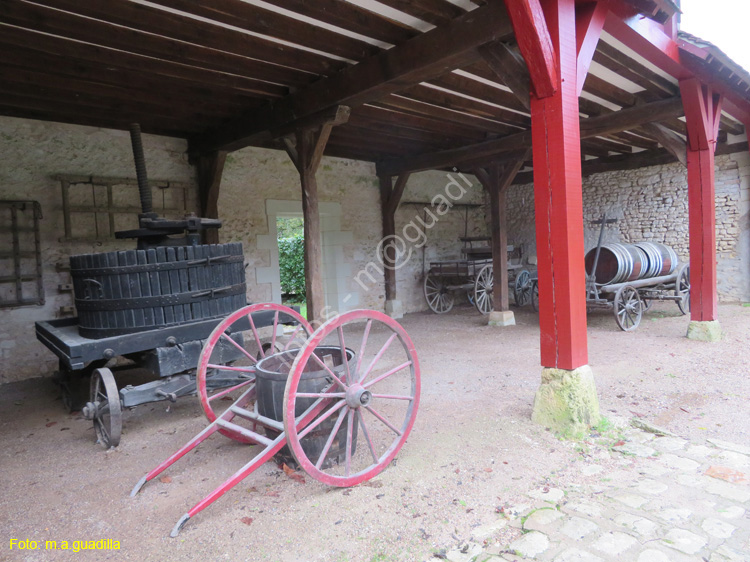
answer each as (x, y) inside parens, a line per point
(650, 204)
(255, 182)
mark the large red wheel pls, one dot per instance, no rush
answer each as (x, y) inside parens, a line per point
(371, 398)
(234, 347)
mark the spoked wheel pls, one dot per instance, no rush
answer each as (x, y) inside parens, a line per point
(628, 308)
(226, 367)
(483, 289)
(682, 289)
(439, 298)
(364, 413)
(522, 288)
(104, 408)
(535, 295)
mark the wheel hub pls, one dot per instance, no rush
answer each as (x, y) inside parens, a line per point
(90, 410)
(357, 396)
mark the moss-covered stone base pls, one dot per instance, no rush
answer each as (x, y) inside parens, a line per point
(704, 331)
(566, 401)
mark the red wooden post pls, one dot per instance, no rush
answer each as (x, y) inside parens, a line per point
(558, 201)
(702, 114)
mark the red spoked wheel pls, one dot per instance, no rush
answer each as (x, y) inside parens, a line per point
(226, 367)
(366, 406)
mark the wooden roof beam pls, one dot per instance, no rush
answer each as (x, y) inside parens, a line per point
(593, 126)
(510, 69)
(428, 55)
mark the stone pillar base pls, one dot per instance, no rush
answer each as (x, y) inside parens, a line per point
(704, 331)
(502, 318)
(394, 309)
(566, 401)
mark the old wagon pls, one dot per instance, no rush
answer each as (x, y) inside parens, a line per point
(474, 276)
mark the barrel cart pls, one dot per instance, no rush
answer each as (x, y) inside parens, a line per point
(627, 278)
(356, 378)
(473, 275)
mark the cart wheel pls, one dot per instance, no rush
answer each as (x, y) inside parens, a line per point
(483, 289)
(233, 349)
(104, 408)
(374, 394)
(522, 288)
(470, 296)
(535, 296)
(682, 288)
(628, 308)
(439, 298)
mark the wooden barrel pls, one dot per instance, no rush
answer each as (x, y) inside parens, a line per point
(618, 263)
(662, 259)
(135, 290)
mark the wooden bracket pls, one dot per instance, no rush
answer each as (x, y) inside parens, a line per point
(702, 112)
(590, 18)
(669, 140)
(534, 40)
(390, 197)
(510, 68)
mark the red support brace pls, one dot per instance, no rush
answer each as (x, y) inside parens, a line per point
(590, 19)
(535, 44)
(645, 36)
(558, 201)
(702, 114)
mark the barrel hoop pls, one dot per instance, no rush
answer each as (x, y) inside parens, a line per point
(154, 267)
(158, 301)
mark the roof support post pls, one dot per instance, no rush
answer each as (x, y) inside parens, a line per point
(306, 155)
(556, 141)
(210, 170)
(496, 179)
(702, 113)
(566, 401)
(390, 197)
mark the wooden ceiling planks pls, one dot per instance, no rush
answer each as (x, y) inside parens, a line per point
(184, 68)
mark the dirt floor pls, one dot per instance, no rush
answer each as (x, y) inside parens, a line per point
(473, 453)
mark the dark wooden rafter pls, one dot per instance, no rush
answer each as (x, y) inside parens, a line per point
(590, 127)
(435, 12)
(510, 68)
(416, 60)
(496, 179)
(390, 198)
(143, 29)
(210, 170)
(350, 16)
(274, 24)
(669, 140)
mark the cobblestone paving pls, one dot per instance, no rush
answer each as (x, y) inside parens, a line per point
(666, 500)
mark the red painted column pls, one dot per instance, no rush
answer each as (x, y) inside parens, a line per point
(702, 114)
(558, 201)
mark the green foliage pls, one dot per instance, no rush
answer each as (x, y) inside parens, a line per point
(288, 227)
(292, 264)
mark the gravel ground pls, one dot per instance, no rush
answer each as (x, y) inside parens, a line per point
(473, 453)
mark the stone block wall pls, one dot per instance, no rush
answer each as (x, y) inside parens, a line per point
(650, 204)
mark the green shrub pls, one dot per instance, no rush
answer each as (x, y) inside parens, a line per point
(292, 265)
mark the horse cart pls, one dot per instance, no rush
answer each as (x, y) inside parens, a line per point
(475, 277)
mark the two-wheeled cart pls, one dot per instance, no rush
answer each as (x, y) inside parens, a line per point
(356, 378)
